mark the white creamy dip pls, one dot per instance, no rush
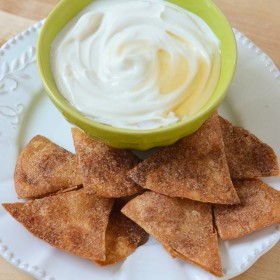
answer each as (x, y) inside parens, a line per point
(136, 64)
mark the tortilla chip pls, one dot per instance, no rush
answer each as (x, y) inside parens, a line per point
(123, 237)
(74, 222)
(246, 155)
(259, 208)
(195, 167)
(104, 169)
(183, 227)
(43, 168)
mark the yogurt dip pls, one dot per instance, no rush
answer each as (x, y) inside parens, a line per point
(136, 64)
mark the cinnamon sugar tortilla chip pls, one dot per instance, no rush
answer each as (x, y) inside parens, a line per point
(43, 168)
(259, 208)
(183, 227)
(246, 155)
(123, 236)
(103, 168)
(74, 221)
(195, 167)
(216, 269)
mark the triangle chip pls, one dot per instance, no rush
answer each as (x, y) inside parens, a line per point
(123, 236)
(184, 227)
(43, 168)
(246, 155)
(195, 167)
(259, 208)
(104, 169)
(74, 221)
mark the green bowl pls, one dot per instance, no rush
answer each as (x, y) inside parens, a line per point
(138, 139)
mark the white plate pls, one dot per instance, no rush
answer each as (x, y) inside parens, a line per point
(25, 111)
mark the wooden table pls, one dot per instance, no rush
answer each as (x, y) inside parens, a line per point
(258, 19)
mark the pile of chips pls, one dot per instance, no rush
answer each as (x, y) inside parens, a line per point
(102, 203)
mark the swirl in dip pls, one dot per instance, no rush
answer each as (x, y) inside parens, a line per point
(136, 64)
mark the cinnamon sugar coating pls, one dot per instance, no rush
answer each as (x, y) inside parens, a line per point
(74, 222)
(183, 227)
(43, 168)
(123, 236)
(195, 167)
(104, 169)
(246, 155)
(259, 208)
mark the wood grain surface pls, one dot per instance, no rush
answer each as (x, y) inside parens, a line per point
(257, 19)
